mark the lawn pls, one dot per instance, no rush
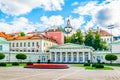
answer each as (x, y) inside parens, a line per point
(92, 68)
(10, 65)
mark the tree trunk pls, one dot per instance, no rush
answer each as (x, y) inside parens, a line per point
(110, 62)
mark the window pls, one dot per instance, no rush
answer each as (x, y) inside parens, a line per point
(98, 57)
(44, 44)
(32, 43)
(13, 44)
(20, 44)
(10, 45)
(1, 47)
(37, 50)
(24, 50)
(32, 50)
(28, 50)
(16, 44)
(28, 44)
(81, 58)
(37, 43)
(75, 58)
(69, 58)
(24, 44)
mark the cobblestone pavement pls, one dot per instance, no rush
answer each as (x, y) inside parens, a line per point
(73, 73)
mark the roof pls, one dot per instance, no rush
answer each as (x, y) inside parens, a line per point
(70, 46)
(3, 41)
(11, 37)
(105, 33)
(116, 42)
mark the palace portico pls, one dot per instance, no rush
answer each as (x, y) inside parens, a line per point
(70, 53)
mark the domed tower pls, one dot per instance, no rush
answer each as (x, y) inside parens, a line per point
(68, 28)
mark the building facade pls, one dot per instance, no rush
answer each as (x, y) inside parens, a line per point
(70, 53)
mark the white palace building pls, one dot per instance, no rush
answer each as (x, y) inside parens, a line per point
(70, 53)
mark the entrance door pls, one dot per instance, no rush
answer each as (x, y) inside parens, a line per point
(43, 59)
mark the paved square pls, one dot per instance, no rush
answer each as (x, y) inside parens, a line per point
(73, 73)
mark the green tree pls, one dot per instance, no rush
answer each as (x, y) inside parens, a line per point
(60, 28)
(111, 57)
(67, 39)
(2, 55)
(79, 37)
(21, 56)
(97, 41)
(89, 39)
(22, 34)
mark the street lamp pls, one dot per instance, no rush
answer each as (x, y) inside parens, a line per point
(111, 27)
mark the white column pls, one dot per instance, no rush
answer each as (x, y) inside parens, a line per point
(83, 55)
(77, 56)
(55, 57)
(60, 56)
(51, 56)
(66, 57)
(89, 56)
(71, 56)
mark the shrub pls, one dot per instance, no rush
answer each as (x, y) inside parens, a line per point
(98, 61)
(88, 61)
(86, 64)
(48, 60)
(29, 63)
(38, 61)
(103, 62)
(15, 64)
(93, 65)
(3, 64)
(99, 66)
(2, 55)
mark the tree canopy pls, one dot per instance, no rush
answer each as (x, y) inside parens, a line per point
(21, 56)
(89, 39)
(2, 55)
(22, 34)
(111, 57)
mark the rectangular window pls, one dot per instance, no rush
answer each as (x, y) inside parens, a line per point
(1, 47)
(20, 44)
(37, 43)
(13, 44)
(28, 44)
(16, 44)
(24, 44)
(32, 43)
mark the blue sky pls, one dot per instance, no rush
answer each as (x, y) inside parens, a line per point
(28, 15)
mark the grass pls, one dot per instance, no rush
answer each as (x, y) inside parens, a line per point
(77, 65)
(92, 68)
(10, 65)
(117, 65)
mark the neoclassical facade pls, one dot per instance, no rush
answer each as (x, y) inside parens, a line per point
(70, 53)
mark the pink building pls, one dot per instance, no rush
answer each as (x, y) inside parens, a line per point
(56, 35)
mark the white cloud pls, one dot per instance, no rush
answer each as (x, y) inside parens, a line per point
(92, 9)
(75, 3)
(18, 7)
(53, 20)
(18, 25)
(77, 22)
(89, 25)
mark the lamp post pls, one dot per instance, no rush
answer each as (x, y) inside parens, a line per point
(111, 27)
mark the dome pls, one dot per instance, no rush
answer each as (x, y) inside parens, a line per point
(3, 41)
